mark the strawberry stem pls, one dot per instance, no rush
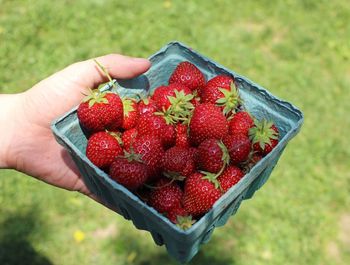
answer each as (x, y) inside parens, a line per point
(105, 72)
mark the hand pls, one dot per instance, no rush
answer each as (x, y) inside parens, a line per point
(28, 144)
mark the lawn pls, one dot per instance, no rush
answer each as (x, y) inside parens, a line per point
(299, 50)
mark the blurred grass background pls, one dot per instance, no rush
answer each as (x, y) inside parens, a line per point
(299, 50)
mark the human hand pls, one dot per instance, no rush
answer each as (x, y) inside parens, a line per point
(27, 143)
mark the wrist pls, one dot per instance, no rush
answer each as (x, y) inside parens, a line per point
(9, 120)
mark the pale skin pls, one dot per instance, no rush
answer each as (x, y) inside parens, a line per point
(27, 143)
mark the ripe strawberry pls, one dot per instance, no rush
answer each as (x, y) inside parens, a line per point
(264, 136)
(151, 151)
(131, 113)
(102, 148)
(182, 135)
(241, 122)
(166, 197)
(238, 146)
(230, 177)
(100, 111)
(165, 96)
(200, 193)
(147, 106)
(189, 75)
(177, 163)
(157, 126)
(129, 172)
(212, 155)
(160, 95)
(128, 137)
(169, 136)
(211, 92)
(207, 122)
(181, 218)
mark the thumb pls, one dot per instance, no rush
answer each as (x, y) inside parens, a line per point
(118, 66)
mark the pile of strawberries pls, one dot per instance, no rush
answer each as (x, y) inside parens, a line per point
(181, 148)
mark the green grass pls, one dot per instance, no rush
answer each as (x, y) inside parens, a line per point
(299, 50)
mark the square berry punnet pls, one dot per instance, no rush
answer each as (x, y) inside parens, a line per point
(181, 244)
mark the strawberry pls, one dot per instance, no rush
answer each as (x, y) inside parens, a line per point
(129, 172)
(230, 177)
(100, 111)
(264, 136)
(212, 155)
(151, 152)
(189, 75)
(102, 148)
(147, 106)
(182, 135)
(131, 113)
(165, 96)
(238, 146)
(241, 122)
(128, 137)
(180, 217)
(169, 136)
(177, 163)
(207, 122)
(157, 126)
(164, 198)
(211, 92)
(200, 193)
(159, 96)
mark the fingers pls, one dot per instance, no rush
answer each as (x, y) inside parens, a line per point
(88, 74)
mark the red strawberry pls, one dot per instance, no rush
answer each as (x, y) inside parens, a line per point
(264, 136)
(189, 75)
(169, 136)
(230, 177)
(128, 137)
(166, 197)
(212, 155)
(207, 122)
(211, 92)
(238, 146)
(241, 122)
(200, 193)
(131, 113)
(181, 218)
(165, 96)
(102, 148)
(182, 135)
(160, 95)
(177, 162)
(129, 172)
(147, 106)
(100, 111)
(157, 126)
(151, 151)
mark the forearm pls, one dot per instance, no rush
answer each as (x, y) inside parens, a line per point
(9, 108)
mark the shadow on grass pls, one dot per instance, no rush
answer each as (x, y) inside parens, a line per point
(146, 252)
(15, 234)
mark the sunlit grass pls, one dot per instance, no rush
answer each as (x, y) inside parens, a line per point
(299, 50)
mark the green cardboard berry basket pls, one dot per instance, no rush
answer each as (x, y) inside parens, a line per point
(180, 244)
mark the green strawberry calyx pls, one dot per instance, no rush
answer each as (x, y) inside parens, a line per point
(116, 135)
(128, 106)
(184, 222)
(96, 96)
(262, 132)
(225, 154)
(132, 156)
(174, 175)
(230, 101)
(180, 108)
